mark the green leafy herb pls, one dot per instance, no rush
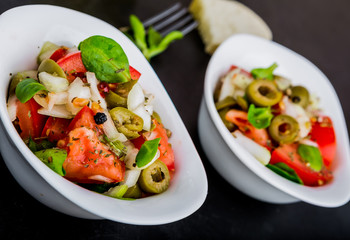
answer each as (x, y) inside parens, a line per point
(259, 117)
(27, 88)
(53, 158)
(264, 73)
(155, 43)
(42, 144)
(147, 152)
(285, 171)
(106, 58)
(312, 155)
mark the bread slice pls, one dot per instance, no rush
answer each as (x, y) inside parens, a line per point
(219, 19)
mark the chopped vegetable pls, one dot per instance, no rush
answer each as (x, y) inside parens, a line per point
(27, 88)
(147, 152)
(259, 117)
(264, 73)
(54, 159)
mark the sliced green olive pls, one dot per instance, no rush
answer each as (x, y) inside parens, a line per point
(123, 89)
(133, 192)
(114, 100)
(300, 96)
(127, 122)
(229, 125)
(46, 51)
(242, 103)
(50, 66)
(155, 178)
(226, 102)
(263, 93)
(284, 129)
(19, 77)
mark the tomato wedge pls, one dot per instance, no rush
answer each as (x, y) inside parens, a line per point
(59, 53)
(55, 128)
(30, 121)
(72, 65)
(84, 118)
(323, 133)
(89, 160)
(240, 119)
(135, 75)
(288, 154)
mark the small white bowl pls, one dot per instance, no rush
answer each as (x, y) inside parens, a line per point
(233, 162)
(23, 30)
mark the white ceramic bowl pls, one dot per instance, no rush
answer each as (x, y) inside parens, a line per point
(240, 168)
(23, 30)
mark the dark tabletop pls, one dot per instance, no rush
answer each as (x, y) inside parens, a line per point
(318, 30)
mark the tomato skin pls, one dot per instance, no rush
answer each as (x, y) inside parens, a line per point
(89, 160)
(55, 128)
(72, 65)
(323, 133)
(288, 154)
(30, 121)
(240, 119)
(135, 75)
(84, 118)
(59, 53)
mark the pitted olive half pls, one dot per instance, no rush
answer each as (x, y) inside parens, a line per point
(263, 93)
(155, 178)
(127, 122)
(300, 96)
(284, 129)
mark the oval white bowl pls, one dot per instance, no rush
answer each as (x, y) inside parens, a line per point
(23, 30)
(249, 52)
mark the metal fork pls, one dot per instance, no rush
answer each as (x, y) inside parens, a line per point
(175, 17)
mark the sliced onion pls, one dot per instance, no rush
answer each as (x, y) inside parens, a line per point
(77, 89)
(57, 99)
(130, 157)
(59, 111)
(42, 99)
(95, 94)
(111, 131)
(227, 88)
(53, 83)
(12, 107)
(146, 117)
(152, 161)
(131, 177)
(261, 153)
(101, 178)
(136, 97)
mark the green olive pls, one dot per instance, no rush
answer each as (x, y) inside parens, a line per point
(156, 116)
(226, 102)
(123, 89)
(46, 51)
(229, 125)
(133, 192)
(284, 129)
(19, 77)
(263, 93)
(242, 103)
(50, 66)
(127, 122)
(300, 96)
(114, 100)
(155, 178)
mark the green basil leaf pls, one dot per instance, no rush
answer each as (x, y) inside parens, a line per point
(147, 152)
(43, 144)
(139, 32)
(259, 117)
(264, 73)
(285, 171)
(27, 88)
(154, 37)
(53, 158)
(106, 58)
(163, 45)
(312, 155)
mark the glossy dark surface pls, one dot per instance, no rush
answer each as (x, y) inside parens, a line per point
(318, 30)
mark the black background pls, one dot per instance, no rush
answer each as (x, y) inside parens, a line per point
(318, 30)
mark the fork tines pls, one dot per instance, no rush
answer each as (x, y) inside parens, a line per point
(173, 18)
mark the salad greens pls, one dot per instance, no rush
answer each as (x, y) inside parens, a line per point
(147, 152)
(259, 117)
(53, 158)
(150, 44)
(312, 155)
(285, 171)
(27, 88)
(264, 73)
(106, 58)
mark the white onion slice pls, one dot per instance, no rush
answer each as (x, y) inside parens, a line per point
(12, 107)
(136, 97)
(259, 152)
(57, 99)
(53, 83)
(59, 111)
(227, 88)
(131, 177)
(146, 117)
(42, 99)
(111, 131)
(101, 178)
(95, 94)
(77, 89)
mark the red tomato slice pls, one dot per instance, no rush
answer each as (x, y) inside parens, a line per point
(288, 154)
(89, 160)
(59, 53)
(165, 149)
(84, 118)
(30, 121)
(323, 133)
(135, 75)
(55, 128)
(240, 119)
(72, 65)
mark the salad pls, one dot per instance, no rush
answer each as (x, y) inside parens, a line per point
(83, 113)
(280, 124)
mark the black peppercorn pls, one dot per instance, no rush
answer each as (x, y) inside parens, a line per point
(100, 118)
